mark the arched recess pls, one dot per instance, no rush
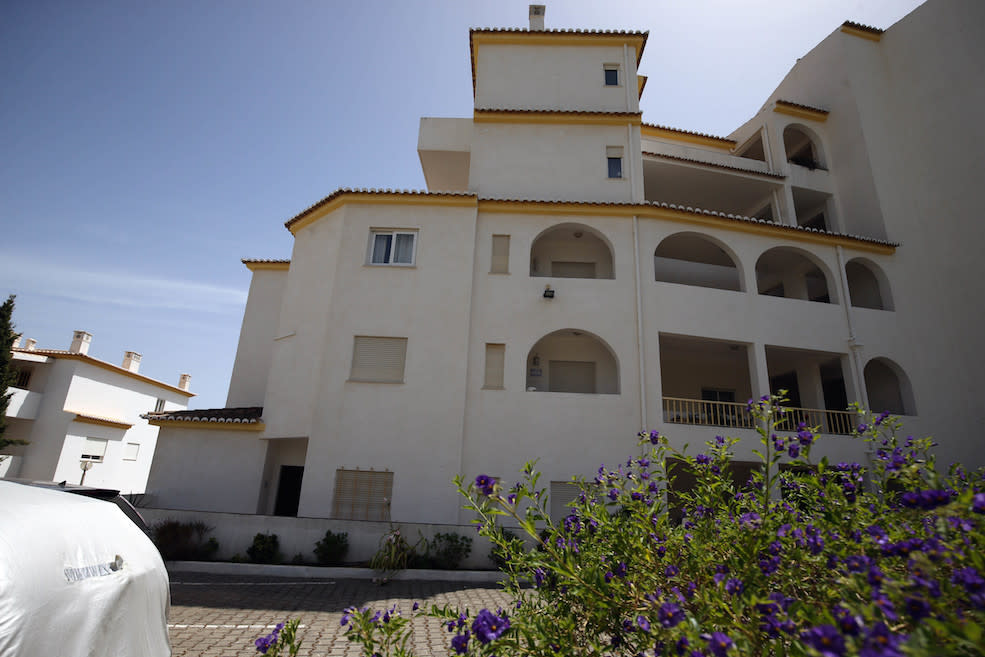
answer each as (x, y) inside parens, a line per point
(571, 250)
(868, 285)
(803, 147)
(572, 360)
(785, 271)
(695, 259)
(888, 388)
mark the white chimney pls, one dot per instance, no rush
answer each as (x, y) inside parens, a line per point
(131, 361)
(17, 341)
(537, 17)
(80, 342)
(184, 381)
(30, 344)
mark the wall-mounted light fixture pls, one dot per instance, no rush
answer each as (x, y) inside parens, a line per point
(548, 292)
(535, 361)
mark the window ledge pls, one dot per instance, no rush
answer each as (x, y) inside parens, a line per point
(371, 381)
(494, 387)
(386, 265)
(499, 273)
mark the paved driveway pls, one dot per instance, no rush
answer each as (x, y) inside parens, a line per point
(221, 615)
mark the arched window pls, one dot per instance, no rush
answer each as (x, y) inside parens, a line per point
(692, 259)
(802, 148)
(572, 360)
(888, 388)
(867, 285)
(571, 251)
(791, 273)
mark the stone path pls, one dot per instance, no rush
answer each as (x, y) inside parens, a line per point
(221, 615)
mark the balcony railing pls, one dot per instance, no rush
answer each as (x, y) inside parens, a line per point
(677, 410)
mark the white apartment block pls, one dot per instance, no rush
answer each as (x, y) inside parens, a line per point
(81, 417)
(575, 274)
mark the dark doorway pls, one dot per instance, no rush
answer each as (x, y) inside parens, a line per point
(289, 490)
(787, 382)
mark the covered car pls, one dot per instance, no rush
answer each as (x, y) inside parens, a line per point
(77, 577)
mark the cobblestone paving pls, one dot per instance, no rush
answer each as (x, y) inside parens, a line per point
(221, 615)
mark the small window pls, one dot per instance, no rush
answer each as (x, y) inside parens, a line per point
(130, 451)
(495, 364)
(611, 72)
(379, 360)
(362, 494)
(94, 450)
(500, 255)
(159, 406)
(392, 248)
(23, 378)
(613, 156)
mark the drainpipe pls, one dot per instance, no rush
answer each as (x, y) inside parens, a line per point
(639, 322)
(625, 67)
(852, 338)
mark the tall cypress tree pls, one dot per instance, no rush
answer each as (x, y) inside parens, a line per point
(8, 377)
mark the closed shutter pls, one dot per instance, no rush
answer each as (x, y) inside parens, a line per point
(495, 362)
(378, 359)
(500, 254)
(94, 449)
(563, 493)
(362, 495)
(573, 269)
(572, 376)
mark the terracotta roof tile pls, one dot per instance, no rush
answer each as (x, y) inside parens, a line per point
(863, 28)
(714, 164)
(273, 261)
(802, 106)
(244, 415)
(531, 110)
(360, 190)
(691, 132)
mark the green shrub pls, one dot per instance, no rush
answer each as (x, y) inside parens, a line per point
(497, 555)
(445, 551)
(184, 541)
(265, 549)
(811, 559)
(331, 550)
(392, 555)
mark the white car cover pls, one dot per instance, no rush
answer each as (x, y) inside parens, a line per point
(77, 577)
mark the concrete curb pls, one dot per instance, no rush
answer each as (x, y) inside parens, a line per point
(330, 572)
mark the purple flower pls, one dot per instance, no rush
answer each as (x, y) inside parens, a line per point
(825, 639)
(862, 427)
(750, 519)
(487, 626)
(614, 494)
(460, 643)
(793, 450)
(670, 614)
(263, 644)
(718, 643)
(734, 586)
(702, 459)
(416, 606)
(621, 569)
(643, 623)
(970, 579)
(881, 642)
(917, 608)
(485, 484)
(847, 622)
(671, 570)
(978, 503)
(654, 437)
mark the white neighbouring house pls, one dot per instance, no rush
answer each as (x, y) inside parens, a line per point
(73, 408)
(574, 274)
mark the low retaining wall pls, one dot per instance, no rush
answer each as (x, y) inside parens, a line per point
(330, 572)
(235, 533)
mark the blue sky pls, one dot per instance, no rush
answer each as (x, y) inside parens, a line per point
(146, 147)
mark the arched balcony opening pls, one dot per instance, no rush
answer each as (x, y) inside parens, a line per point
(868, 285)
(572, 360)
(793, 274)
(571, 251)
(802, 148)
(692, 259)
(888, 388)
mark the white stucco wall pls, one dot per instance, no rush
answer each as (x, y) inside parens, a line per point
(248, 382)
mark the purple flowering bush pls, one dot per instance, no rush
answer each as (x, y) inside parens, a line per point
(282, 641)
(805, 558)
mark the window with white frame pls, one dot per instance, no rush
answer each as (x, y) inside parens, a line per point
(94, 449)
(378, 359)
(392, 247)
(613, 156)
(130, 451)
(611, 75)
(159, 406)
(362, 494)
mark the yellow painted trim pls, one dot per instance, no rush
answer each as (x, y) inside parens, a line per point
(556, 118)
(640, 84)
(865, 34)
(801, 112)
(694, 218)
(267, 266)
(673, 135)
(218, 426)
(104, 422)
(384, 198)
(636, 41)
(114, 368)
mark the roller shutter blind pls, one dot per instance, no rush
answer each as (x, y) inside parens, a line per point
(362, 495)
(563, 493)
(495, 363)
(378, 359)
